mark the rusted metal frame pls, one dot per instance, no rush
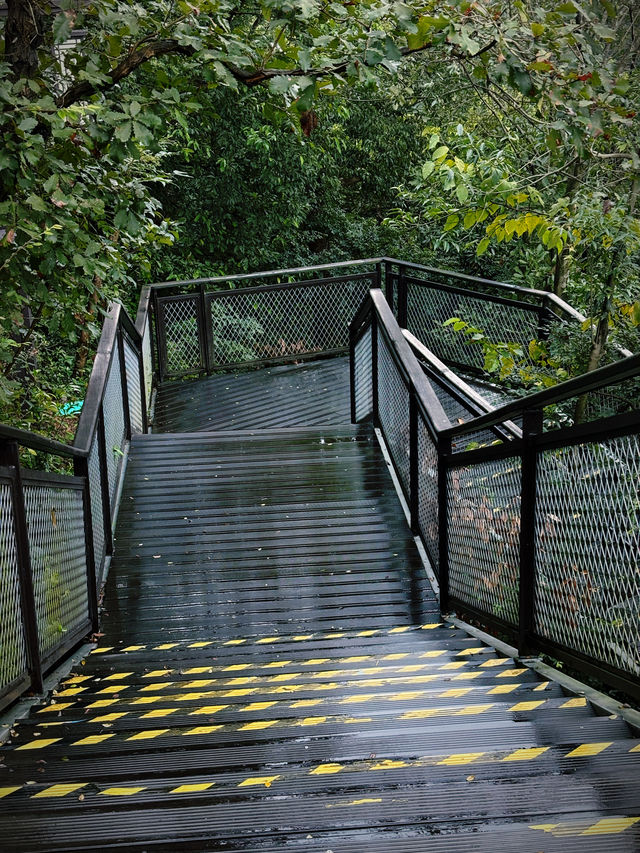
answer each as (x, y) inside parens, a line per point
(10, 458)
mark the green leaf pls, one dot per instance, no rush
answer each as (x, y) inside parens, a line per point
(27, 124)
(483, 245)
(537, 29)
(280, 85)
(452, 221)
(61, 27)
(36, 202)
(123, 133)
(462, 192)
(428, 168)
(440, 152)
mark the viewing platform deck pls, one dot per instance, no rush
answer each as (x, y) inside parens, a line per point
(275, 674)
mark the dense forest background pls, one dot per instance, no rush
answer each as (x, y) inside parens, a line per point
(159, 140)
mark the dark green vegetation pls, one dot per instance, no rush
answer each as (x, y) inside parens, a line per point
(196, 139)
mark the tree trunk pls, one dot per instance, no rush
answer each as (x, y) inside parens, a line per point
(23, 36)
(597, 348)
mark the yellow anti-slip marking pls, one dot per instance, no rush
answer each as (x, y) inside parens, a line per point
(265, 781)
(526, 754)
(149, 734)
(194, 788)
(91, 740)
(461, 758)
(40, 743)
(605, 826)
(589, 749)
(4, 792)
(121, 792)
(59, 790)
(326, 769)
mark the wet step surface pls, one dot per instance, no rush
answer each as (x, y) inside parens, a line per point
(307, 394)
(275, 675)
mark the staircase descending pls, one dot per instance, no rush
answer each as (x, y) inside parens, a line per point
(275, 673)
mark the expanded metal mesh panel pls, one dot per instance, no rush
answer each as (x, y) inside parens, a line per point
(429, 307)
(483, 504)
(179, 325)
(114, 427)
(279, 322)
(134, 391)
(147, 361)
(58, 561)
(588, 550)
(614, 399)
(428, 491)
(460, 412)
(13, 655)
(97, 517)
(393, 411)
(362, 376)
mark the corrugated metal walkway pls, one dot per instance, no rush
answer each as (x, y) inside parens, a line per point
(275, 676)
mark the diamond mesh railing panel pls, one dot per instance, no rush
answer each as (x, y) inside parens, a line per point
(58, 562)
(114, 426)
(428, 492)
(483, 505)
(363, 377)
(587, 595)
(134, 391)
(13, 654)
(276, 323)
(393, 411)
(179, 322)
(147, 361)
(97, 517)
(429, 307)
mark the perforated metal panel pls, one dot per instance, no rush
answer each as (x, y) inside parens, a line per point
(483, 504)
(588, 550)
(114, 424)
(147, 360)
(428, 491)
(58, 561)
(132, 369)
(276, 323)
(393, 411)
(429, 307)
(362, 375)
(97, 517)
(13, 655)
(180, 334)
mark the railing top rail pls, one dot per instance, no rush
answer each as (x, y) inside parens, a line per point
(32, 440)
(288, 285)
(427, 400)
(626, 368)
(440, 367)
(487, 297)
(221, 279)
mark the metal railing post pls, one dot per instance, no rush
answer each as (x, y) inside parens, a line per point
(378, 276)
(414, 480)
(402, 298)
(204, 321)
(531, 427)
(444, 456)
(374, 369)
(352, 373)
(123, 382)
(81, 469)
(10, 456)
(143, 389)
(388, 283)
(104, 484)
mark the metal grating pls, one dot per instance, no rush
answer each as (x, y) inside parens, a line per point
(429, 307)
(428, 491)
(181, 334)
(363, 378)
(147, 361)
(393, 411)
(58, 561)
(114, 426)
(97, 517)
(276, 323)
(13, 655)
(483, 505)
(132, 369)
(588, 550)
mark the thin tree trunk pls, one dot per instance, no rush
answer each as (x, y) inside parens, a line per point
(23, 36)
(82, 352)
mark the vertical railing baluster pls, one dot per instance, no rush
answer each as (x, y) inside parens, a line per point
(10, 456)
(402, 298)
(531, 427)
(123, 381)
(143, 387)
(444, 458)
(388, 283)
(414, 483)
(377, 280)
(104, 484)
(81, 469)
(206, 332)
(352, 372)
(374, 369)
